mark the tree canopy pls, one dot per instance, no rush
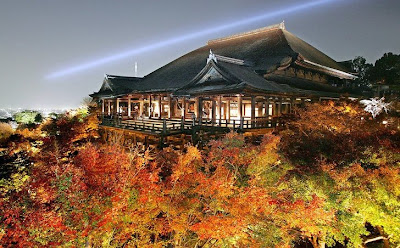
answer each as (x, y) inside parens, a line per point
(331, 177)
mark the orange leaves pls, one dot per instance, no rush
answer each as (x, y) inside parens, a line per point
(105, 168)
(232, 194)
(218, 227)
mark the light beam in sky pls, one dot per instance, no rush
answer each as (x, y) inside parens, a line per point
(146, 48)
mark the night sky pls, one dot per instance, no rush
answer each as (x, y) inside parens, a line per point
(40, 38)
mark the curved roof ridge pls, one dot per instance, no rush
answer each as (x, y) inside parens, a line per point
(110, 76)
(255, 31)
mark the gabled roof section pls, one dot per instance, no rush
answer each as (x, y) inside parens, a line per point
(116, 85)
(229, 75)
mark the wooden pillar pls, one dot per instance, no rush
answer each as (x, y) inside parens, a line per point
(129, 107)
(159, 106)
(267, 107)
(184, 108)
(196, 107)
(117, 106)
(303, 102)
(292, 101)
(213, 110)
(279, 110)
(253, 107)
(141, 106)
(102, 106)
(240, 112)
(228, 109)
(151, 107)
(109, 107)
(220, 108)
(169, 106)
(260, 109)
(200, 108)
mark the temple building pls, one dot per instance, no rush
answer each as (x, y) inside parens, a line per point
(244, 81)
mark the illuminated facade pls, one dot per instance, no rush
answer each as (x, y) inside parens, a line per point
(249, 77)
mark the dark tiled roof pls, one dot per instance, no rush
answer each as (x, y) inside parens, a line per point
(218, 76)
(265, 49)
(117, 85)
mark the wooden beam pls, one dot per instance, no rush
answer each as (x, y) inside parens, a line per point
(240, 114)
(141, 106)
(129, 107)
(292, 102)
(267, 107)
(109, 107)
(303, 102)
(213, 110)
(169, 106)
(228, 109)
(260, 108)
(117, 106)
(253, 107)
(220, 108)
(184, 108)
(279, 110)
(200, 108)
(151, 107)
(196, 107)
(159, 106)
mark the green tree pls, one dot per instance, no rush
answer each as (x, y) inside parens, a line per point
(28, 117)
(386, 70)
(362, 68)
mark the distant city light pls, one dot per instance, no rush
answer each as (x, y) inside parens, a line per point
(140, 50)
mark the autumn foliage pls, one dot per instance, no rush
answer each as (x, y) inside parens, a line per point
(331, 177)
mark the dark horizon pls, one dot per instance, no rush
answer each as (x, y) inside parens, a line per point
(40, 39)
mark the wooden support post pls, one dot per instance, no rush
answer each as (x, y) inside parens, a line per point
(240, 112)
(196, 107)
(184, 108)
(228, 109)
(182, 124)
(220, 109)
(279, 110)
(200, 109)
(109, 107)
(141, 106)
(159, 106)
(303, 102)
(151, 107)
(267, 108)
(253, 108)
(292, 101)
(129, 107)
(169, 106)
(213, 110)
(253, 111)
(116, 106)
(260, 109)
(164, 126)
(102, 106)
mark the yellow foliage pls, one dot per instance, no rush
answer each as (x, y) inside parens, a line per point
(15, 183)
(5, 131)
(30, 134)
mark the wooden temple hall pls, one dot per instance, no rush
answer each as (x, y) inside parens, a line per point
(242, 82)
